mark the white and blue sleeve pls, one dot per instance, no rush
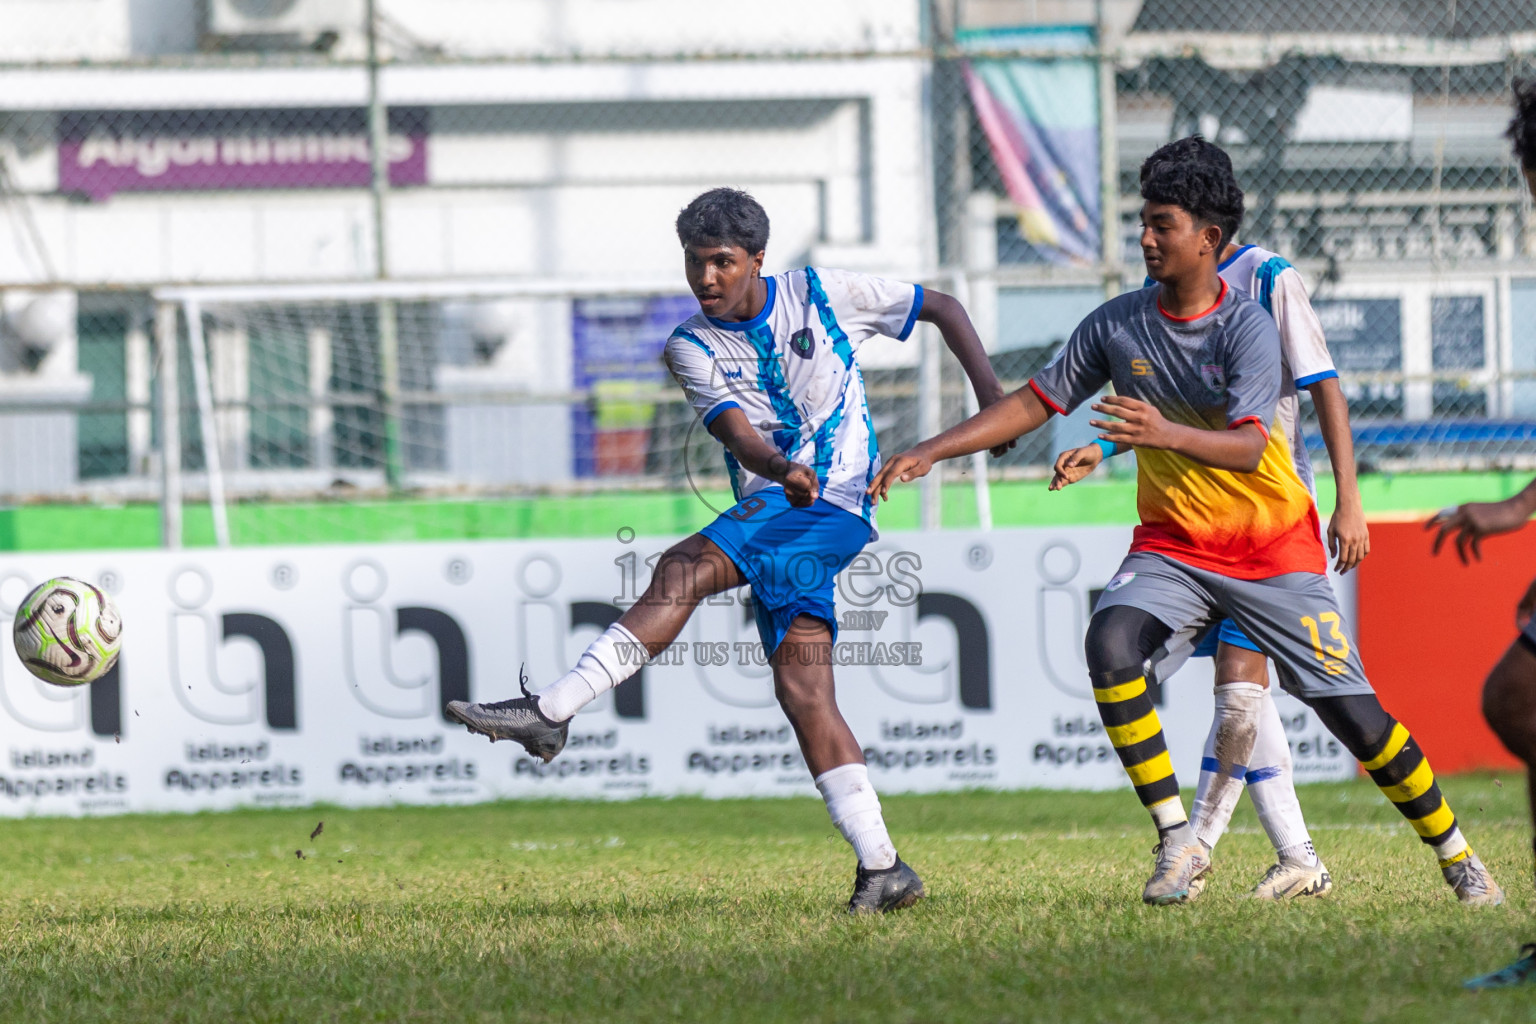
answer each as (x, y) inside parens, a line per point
(693, 367)
(866, 305)
(1301, 333)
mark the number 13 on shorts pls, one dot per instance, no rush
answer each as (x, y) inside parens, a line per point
(1334, 655)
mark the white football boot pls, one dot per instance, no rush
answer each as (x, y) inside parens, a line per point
(1286, 880)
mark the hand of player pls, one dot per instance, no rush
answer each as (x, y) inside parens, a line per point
(1074, 464)
(1474, 521)
(982, 403)
(1139, 424)
(1349, 539)
(1526, 606)
(905, 467)
(800, 485)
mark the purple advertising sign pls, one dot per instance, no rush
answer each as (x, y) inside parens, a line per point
(101, 153)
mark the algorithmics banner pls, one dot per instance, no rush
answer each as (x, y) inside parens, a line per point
(284, 676)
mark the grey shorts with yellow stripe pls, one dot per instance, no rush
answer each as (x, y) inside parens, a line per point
(1294, 618)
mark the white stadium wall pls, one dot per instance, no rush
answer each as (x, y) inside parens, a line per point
(285, 676)
(529, 170)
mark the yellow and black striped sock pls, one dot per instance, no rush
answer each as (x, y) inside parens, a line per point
(1125, 708)
(1402, 773)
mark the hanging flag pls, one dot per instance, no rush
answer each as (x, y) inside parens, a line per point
(1041, 116)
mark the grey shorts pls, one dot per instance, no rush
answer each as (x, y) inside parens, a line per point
(1293, 618)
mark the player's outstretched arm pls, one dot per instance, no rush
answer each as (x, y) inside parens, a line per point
(1142, 426)
(1002, 421)
(947, 314)
(735, 431)
(1471, 522)
(1349, 539)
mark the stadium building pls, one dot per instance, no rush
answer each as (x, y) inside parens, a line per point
(537, 151)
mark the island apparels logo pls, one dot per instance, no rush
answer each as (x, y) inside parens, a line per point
(202, 687)
(370, 633)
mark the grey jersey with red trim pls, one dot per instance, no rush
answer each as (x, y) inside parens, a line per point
(1214, 371)
(1271, 281)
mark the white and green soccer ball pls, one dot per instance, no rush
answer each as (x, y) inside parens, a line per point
(68, 632)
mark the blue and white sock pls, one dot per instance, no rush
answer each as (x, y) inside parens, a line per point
(1273, 789)
(1228, 750)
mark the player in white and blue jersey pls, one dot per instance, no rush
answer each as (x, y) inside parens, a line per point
(1244, 704)
(770, 364)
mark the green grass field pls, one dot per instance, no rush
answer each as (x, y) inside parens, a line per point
(731, 911)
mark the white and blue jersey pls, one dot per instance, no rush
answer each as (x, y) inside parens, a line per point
(793, 370)
(1304, 357)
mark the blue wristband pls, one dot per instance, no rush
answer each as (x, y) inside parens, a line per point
(1107, 447)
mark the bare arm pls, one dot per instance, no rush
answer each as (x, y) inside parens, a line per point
(947, 314)
(1349, 539)
(1143, 426)
(1478, 519)
(1006, 420)
(734, 430)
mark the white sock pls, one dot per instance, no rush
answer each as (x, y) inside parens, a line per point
(1273, 789)
(1171, 821)
(1228, 749)
(612, 658)
(855, 810)
(1451, 849)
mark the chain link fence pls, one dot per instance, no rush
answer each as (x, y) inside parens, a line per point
(184, 282)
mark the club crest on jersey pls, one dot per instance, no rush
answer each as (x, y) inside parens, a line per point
(803, 343)
(1215, 378)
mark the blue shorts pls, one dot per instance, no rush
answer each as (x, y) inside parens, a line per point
(791, 556)
(1227, 633)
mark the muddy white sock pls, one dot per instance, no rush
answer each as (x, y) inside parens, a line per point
(1272, 788)
(1207, 777)
(1452, 848)
(1228, 749)
(612, 658)
(855, 810)
(1302, 854)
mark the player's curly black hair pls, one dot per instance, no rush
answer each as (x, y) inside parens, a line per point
(1194, 148)
(1522, 127)
(1202, 187)
(724, 216)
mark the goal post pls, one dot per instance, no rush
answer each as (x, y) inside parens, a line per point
(500, 388)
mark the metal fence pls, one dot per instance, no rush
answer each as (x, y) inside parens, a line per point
(185, 283)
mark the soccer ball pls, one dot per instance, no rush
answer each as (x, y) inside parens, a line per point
(68, 632)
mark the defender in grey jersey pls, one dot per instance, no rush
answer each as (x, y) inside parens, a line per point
(1196, 373)
(1244, 704)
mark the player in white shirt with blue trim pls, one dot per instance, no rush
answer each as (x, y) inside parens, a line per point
(771, 366)
(1243, 699)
